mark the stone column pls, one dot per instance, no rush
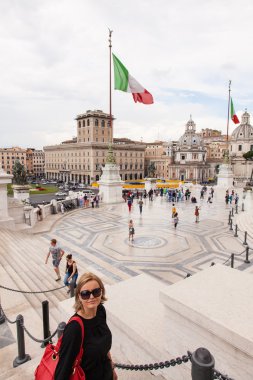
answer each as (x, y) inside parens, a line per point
(5, 220)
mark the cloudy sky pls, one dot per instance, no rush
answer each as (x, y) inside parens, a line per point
(54, 65)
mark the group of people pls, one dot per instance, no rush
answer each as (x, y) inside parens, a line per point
(96, 361)
(230, 198)
(71, 272)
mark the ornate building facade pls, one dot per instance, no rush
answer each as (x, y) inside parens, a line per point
(241, 143)
(81, 159)
(187, 158)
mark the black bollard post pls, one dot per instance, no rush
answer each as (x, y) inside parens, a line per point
(2, 317)
(46, 328)
(236, 209)
(22, 356)
(229, 217)
(202, 365)
(72, 289)
(247, 256)
(232, 260)
(231, 225)
(242, 206)
(232, 211)
(60, 329)
(236, 230)
(245, 238)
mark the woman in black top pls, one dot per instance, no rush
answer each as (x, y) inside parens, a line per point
(71, 272)
(96, 361)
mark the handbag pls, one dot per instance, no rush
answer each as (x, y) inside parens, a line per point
(47, 366)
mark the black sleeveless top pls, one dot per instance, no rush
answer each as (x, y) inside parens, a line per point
(69, 268)
(97, 343)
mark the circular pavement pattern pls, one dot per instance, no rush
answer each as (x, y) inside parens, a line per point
(148, 242)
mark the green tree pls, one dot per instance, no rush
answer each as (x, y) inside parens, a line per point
(248, 155)
(19, 173)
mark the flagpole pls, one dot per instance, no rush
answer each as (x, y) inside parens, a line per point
(110, 159)
(229, 90)
(110, 82)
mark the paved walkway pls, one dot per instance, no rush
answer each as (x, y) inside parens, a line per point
(98, 240)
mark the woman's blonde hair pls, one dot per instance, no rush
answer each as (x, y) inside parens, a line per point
(86, 277)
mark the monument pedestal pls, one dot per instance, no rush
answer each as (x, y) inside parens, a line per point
(21, 192)
(110, 184)
(150, 184)
(5, 220)
(225, 176)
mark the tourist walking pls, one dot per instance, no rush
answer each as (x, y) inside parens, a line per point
(62, 208)
(39, 213)
(197, 214)
(173, 211)
(212, 191)
(56, 252)
(96, 361)
(71, 272)
(131, 230)
(129, 204)
(175, 220)
(140, 205)
(97, 200)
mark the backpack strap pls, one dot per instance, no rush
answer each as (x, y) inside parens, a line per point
(79, 356)
(58, 345)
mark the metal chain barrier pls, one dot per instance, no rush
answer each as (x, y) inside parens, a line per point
(30, 292)
(149, 367)
(219, 376)
(5, 316)
(39, 340)
(27, 332)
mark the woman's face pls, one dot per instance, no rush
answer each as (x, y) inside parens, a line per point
(90, 300)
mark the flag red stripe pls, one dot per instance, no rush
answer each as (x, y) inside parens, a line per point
(144, 97)
(235, 119)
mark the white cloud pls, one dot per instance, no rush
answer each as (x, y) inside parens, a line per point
(54, 65)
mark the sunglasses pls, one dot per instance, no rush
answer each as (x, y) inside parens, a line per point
(85, 294)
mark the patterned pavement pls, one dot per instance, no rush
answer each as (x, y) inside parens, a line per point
(98, 239)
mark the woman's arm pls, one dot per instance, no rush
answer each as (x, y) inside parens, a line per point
(74, 271)
(70, 347)
(115, 376)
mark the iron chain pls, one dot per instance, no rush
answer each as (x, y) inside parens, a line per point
(5, 316)
(39, 340)
(149, 367)
(30, 292)
(219, 376)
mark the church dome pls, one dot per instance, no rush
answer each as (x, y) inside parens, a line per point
(244, 131)
(190, 138)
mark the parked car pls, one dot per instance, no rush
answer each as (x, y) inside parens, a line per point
(88, 192)
(61, 194)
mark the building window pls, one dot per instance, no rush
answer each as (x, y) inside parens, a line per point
(102, 123)
(251, 147)
(239, 147)
(83, 123)
(88, 122)
(96, 122)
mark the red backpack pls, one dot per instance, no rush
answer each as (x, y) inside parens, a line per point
(49, 361)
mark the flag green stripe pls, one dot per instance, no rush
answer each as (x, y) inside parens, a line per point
(120, 75)
(232, 109)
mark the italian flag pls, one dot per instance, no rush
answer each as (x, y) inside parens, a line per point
(124, 81)
(233, 114)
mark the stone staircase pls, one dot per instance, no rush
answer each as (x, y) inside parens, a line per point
(23, 267)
